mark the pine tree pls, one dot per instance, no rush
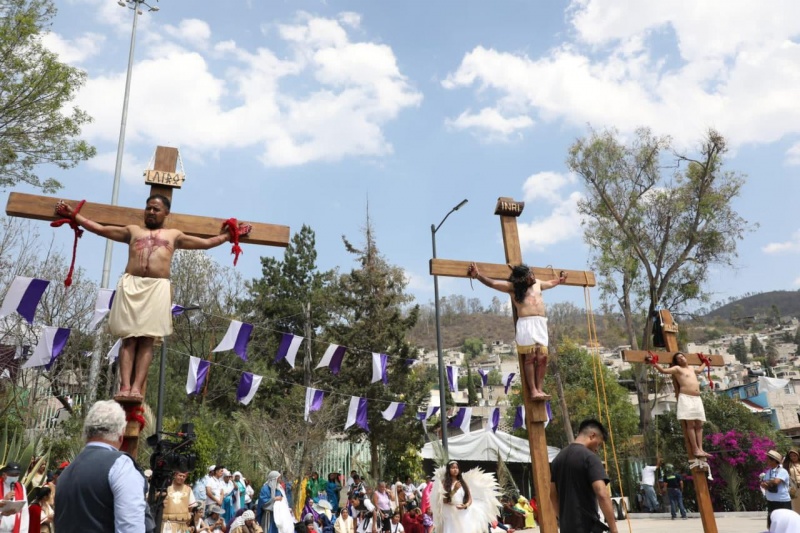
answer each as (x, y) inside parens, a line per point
(375, 319)
(756, 348)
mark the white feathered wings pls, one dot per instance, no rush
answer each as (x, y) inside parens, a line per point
(484, 490)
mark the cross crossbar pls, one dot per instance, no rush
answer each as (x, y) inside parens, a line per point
(42, 208)
(458, 269)
(638, 356)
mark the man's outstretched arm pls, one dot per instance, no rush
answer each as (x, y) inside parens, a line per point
(190, 242)
(562, 277)
(115, 233)
(496, 284)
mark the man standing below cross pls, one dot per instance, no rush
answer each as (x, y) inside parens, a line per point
(141, 309)
(531, 325)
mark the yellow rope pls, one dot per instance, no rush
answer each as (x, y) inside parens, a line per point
(594, 347)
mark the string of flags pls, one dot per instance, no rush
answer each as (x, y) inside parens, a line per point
(25, 294)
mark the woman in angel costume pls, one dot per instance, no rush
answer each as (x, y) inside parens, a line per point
(463, 503)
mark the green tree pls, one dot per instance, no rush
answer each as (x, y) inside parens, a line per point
(375, 317)
(739, 350)
(797, 339)
(472, 390)
(472, 347)
(771, 353)
(37, 125)
(656, 227)
(756, 348)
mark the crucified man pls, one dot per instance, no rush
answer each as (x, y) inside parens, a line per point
(531, 335)
(141, 311)
(687, 391)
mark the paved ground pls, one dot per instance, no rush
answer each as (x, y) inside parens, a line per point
(726, 523)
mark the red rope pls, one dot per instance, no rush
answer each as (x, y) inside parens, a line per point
(234, 230)
(135, 413)
(707, 361)
(78, 233)
(653, 357)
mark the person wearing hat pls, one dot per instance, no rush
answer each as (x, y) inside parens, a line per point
(12, 519)
(214, 520)
(245, 523)
(792, 465)
(102, 490)
(775, 482)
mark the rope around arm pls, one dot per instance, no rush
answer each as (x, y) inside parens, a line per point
(78, 234)
(235, 231)
(707, 361)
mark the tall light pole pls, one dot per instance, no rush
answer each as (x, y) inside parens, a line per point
(442, 380)
(135, 6)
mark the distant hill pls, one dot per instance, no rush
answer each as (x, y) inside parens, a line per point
(459, 327)
(786, 302)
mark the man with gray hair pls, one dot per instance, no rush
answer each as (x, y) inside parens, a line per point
(102, 490)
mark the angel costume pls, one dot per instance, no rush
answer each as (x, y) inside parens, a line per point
(448, 518)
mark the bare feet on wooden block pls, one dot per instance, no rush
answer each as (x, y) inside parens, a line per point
(539, 396)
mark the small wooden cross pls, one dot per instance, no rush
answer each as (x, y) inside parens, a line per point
(535, 412)
(670, 332)
(162, 179)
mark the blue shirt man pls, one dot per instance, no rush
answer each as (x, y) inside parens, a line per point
(775, 483)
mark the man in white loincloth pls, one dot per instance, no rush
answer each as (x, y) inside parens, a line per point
(687, 391)
(531, 321)
(141, 308)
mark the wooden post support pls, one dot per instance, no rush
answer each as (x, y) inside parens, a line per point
(166, 158)
(670, 333)
(535, 412)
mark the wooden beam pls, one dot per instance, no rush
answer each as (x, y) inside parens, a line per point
(638, 356)
(42, 208)
(458, 269)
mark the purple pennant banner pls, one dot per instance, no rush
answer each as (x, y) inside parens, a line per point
(23, 296)
(452, 378)
(333, 358)
(248, 386)
(484, 377)
(357, 413)
(313, 401)
(495, 419)
(236, 338)
(519, 419)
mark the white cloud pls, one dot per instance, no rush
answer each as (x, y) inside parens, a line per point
(130, 173)
(792, 245)
(419, 282)
(491, 123)
(74, 51)
(352, 89)
(563, 222)
(796, 282)
(621, 69)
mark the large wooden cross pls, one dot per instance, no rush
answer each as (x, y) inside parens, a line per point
(535, 412)
(162, 179)
(670, 335)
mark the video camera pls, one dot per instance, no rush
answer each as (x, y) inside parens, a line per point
(171, 454)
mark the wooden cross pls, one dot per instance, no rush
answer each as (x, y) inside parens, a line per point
(670, 334)
(162, 179)
(535, 412)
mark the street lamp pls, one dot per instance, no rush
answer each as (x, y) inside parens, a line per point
(442, 380)
(163, 372)
(135, 5)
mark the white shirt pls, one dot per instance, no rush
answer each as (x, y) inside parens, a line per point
(649, 475)
(7, 522)
(215, 484)
(396, 528)
(248, 493)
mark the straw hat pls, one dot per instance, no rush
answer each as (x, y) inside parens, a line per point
(775, 456)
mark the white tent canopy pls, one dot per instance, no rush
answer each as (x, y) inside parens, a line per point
(486, 446)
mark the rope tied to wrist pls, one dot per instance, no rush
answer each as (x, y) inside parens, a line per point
(234, 231)
(653, 358)
(704, 359)
(73, 223)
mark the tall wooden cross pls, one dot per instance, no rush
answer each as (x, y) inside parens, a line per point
(670, 335)
(162, 179)
(535, 412)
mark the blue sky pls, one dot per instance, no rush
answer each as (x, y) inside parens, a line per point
(297, 112)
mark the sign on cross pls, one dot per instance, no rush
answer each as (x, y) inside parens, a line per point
(163, 179)
(670, 335)
(535, 412)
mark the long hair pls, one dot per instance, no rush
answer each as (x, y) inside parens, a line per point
(519, 279)
(447, 482)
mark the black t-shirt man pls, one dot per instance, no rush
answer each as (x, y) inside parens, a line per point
(573, 471)
(673, 481)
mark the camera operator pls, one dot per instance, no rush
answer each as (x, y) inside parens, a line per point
(178, 504)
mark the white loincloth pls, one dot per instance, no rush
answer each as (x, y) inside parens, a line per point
(690, 408)
(142, 307)
(531, 332)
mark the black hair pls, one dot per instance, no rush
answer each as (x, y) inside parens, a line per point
(674, 357)
(591, 424)
(164, 200)
(40, 494)
(448, 482)
(519, 279)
